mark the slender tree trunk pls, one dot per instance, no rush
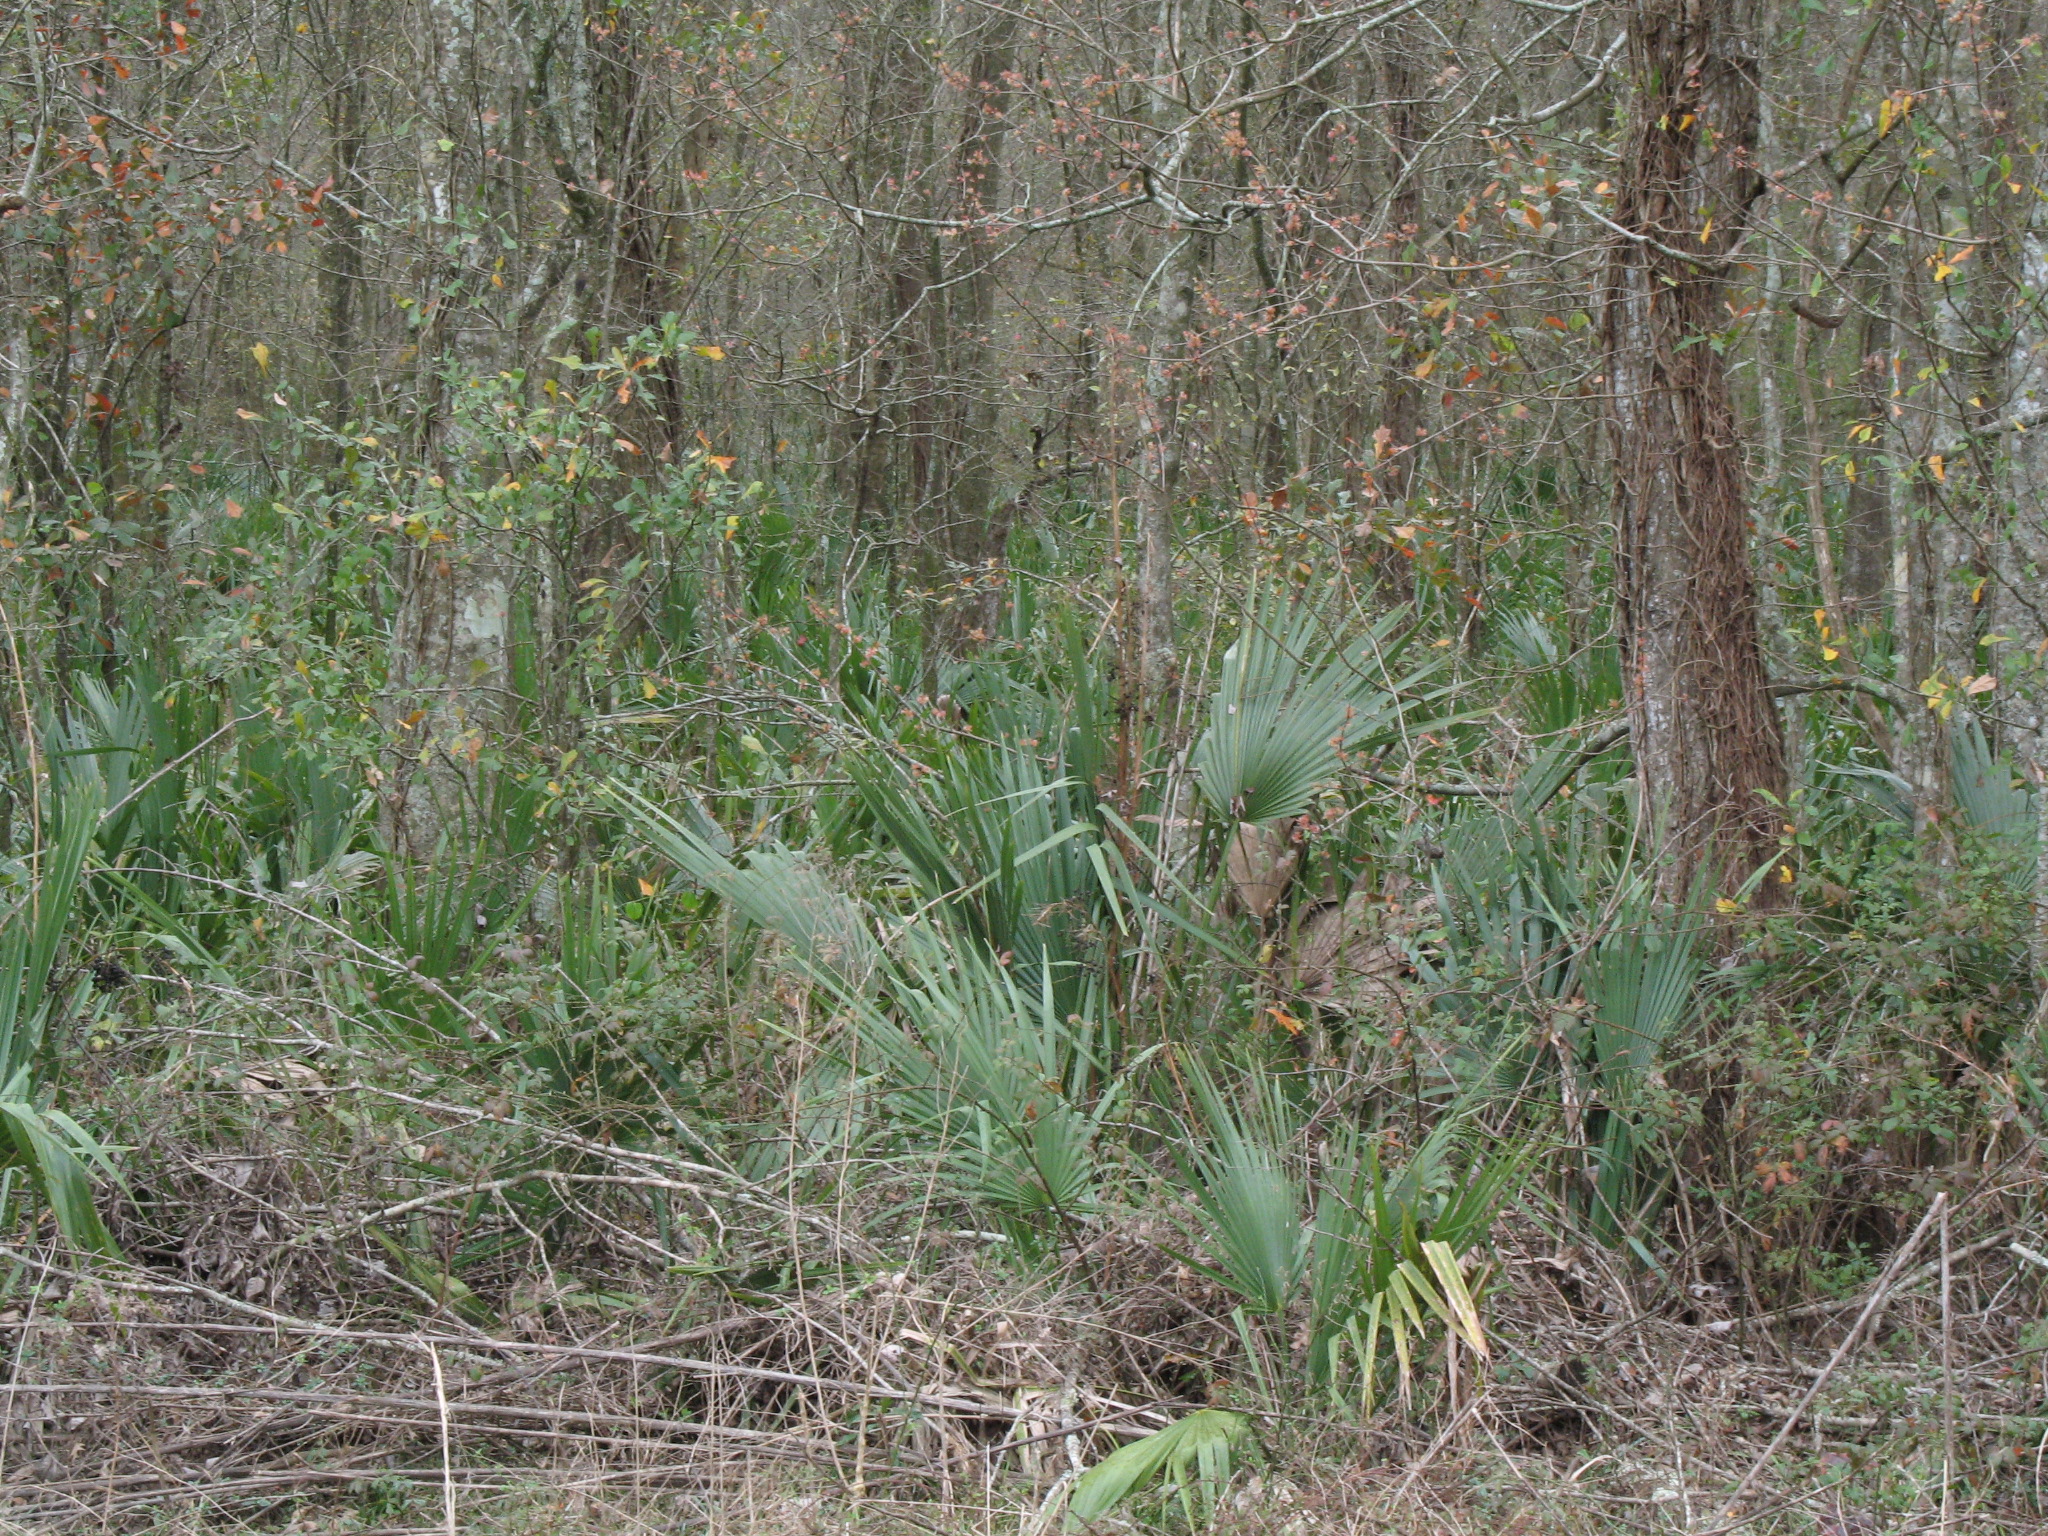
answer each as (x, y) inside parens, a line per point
(452, 636)
(977, 521)
(1159, 424)
(1160, 463)
(1867, 517)
(1922, 759)
(342, 268)
(1397, 439)
(1709, 755)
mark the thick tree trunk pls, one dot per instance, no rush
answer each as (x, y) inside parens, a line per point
(1710, 758)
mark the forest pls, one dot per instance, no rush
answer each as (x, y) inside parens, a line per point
(1087, 767)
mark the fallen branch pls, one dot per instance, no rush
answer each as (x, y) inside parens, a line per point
(1842, 1351)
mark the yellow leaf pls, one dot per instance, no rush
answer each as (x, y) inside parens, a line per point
(1726, 906)
(1457, 1297)
(1286, 1021)
(1707, 231)
(1829, 653)
(245, 415)
(716, 354)
(1426, 367)
(646, 886)
(1939, 465)
(1820, 619)
(1784, 874)
(1943, 271)
(262, 355)
(647, 688)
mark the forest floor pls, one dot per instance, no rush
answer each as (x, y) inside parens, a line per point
(1598, 1415)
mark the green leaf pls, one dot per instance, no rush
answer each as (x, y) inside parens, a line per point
(1287, 707)
(1195, 1452)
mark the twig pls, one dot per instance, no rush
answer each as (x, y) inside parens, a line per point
(1948, 1385)
(1421, 1464)
(447, 1451)
(1870, 1310)
(388, 1402)
(1928, 1271)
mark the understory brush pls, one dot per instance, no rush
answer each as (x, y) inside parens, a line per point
(877, 1080)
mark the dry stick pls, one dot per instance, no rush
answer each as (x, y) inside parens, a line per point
(1948, 1386)
(940, 1398)
(1421, 1463)
(1871, 1308)
(646, 1425)
(1999, 1239)
(447, 1454)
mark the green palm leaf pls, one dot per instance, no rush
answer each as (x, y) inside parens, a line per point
(1195, 1452)
(1287, 707)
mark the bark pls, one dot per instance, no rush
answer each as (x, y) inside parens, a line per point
(1159, 423)
(886, 466)
(1709, 753)
(1867, 519)
(977, 524)
(1160, 464)
(342, 267)
(2002, 539)
(451, 657)
(1397, 440)
(450, 664)
(1922, 759)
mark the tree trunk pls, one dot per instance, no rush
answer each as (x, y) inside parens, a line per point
(450, 660)
(1867, 520)
(1710, 758)
(1922, 759)
(1397, 438)
(1159, 426)
(977, 521)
